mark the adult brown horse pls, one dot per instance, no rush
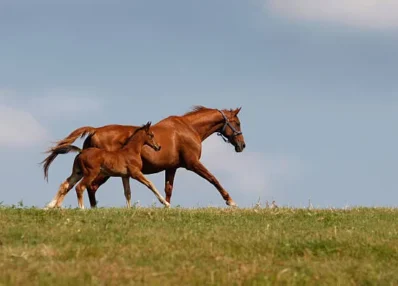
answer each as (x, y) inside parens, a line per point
(181, 139)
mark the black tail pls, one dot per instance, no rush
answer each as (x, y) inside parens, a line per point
(54, 153)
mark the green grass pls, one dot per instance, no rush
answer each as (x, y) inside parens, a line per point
(155, 246)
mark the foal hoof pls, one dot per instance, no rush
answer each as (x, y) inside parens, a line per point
(167, 205)
(231, 203)
(51, 205)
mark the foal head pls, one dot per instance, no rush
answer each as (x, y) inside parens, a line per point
(142, 135)
(150, 138)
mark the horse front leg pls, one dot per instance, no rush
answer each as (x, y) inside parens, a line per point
(198, 168)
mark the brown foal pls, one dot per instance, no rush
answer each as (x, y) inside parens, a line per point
(181, 138)
(125, 162)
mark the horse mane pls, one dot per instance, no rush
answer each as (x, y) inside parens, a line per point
(196, 109)
(134, 133)
(200, 108)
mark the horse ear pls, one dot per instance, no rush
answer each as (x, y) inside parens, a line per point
(236, 112)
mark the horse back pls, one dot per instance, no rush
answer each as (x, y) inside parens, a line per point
(109, 137)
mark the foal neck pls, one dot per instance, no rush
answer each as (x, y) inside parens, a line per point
(135, 142)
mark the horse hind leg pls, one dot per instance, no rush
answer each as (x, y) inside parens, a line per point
(127, 190)
(63, 190)
(92, 189)
(169, 182)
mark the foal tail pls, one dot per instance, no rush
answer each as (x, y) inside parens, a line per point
(64, 146)
(54, 153)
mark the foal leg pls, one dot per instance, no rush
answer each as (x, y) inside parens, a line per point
(127, 190)
(92, 189)
(141, 178)
(198, 168)
(81, 187)
(169, 181)
(65, 187)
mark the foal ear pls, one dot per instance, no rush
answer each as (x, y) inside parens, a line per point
(147, 125)
(236, 111)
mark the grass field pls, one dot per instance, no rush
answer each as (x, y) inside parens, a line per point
(156, 246)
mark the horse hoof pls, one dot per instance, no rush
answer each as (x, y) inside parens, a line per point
(231, 203)
(51, 205)
(167, 205)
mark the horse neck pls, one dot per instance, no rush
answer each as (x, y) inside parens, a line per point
(206, 122)
(135, 144)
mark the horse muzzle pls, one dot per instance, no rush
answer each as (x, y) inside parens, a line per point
(240, 146)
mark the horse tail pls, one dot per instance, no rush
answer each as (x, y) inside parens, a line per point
(80, 132)
(64, 146)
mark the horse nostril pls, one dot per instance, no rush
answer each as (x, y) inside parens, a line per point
(244, 145)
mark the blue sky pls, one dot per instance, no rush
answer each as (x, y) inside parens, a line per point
(317, 85)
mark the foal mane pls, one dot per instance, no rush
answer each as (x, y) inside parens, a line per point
(134, 133)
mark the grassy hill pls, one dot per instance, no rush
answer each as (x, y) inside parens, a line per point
(209, 246)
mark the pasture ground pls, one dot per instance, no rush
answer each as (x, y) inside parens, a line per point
(209, 246)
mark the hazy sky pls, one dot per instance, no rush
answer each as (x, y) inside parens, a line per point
(318, 86)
